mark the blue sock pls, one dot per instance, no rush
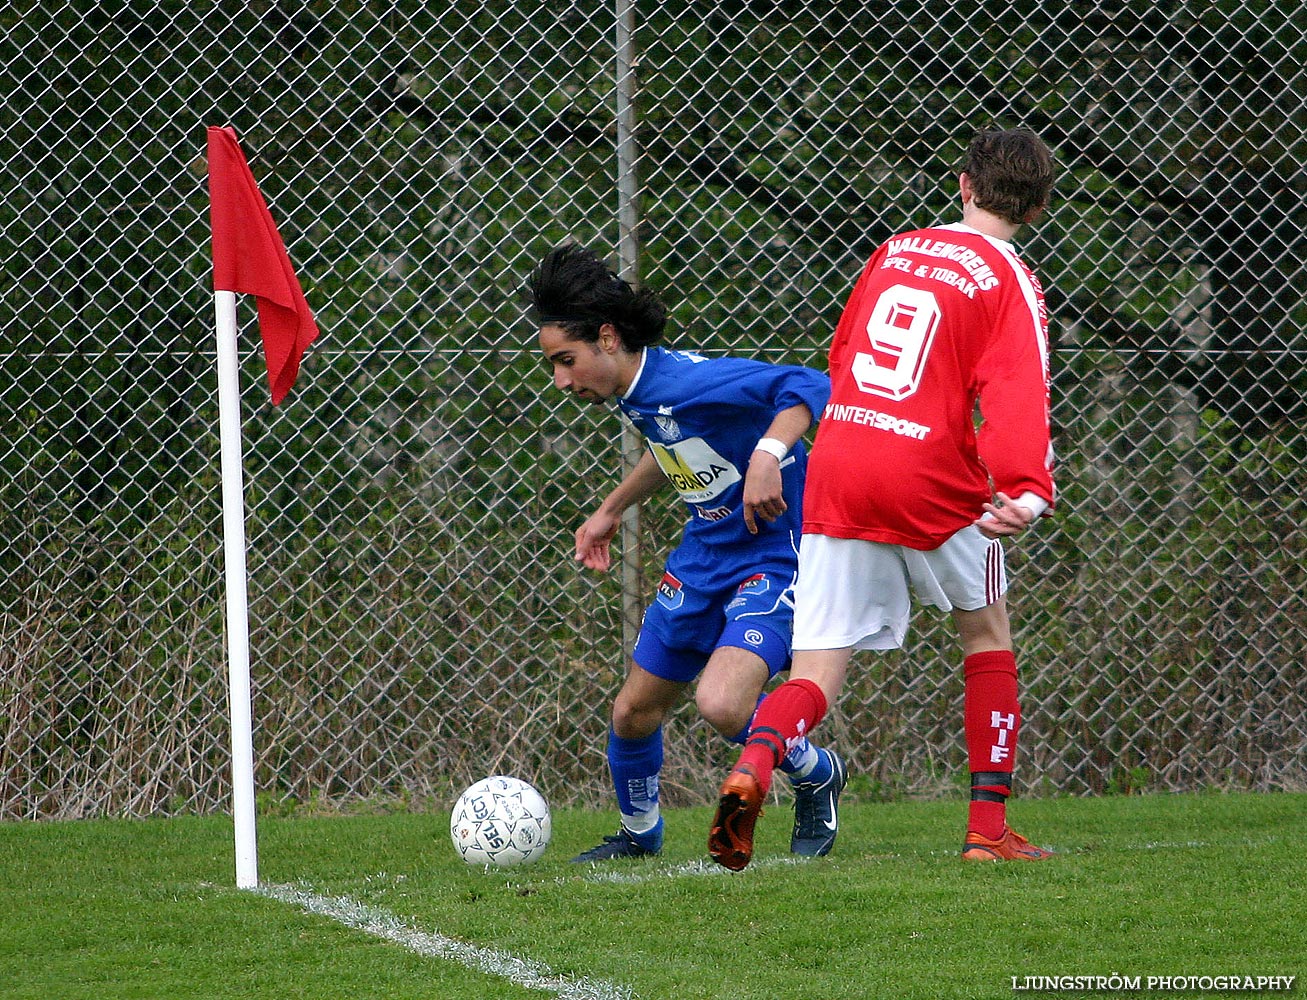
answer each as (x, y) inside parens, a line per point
(813, 767)
(802, 761)
(635, 765)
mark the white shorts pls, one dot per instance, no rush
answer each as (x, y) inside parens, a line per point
(855, 594)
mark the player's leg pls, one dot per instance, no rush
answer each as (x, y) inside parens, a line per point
(754, 646)
(635, 758)
(966, 576)
(729, 688)
(992, 722)
(849, 594)
(730, 691)
(758, 631)
(730, 694)
(670, 651)
(635, 751)
(991, 714)
(817, 774)
(760, 620)
(781, 722)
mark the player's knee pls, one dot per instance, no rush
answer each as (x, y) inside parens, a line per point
(723, 710)
(634, 720)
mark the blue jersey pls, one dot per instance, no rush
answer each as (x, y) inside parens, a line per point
(702, 418)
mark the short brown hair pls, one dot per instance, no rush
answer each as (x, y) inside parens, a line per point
(1011, 173)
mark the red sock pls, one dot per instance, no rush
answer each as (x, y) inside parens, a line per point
(791, 711)
(992, 720)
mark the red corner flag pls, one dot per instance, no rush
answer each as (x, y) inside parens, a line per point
(249, 257)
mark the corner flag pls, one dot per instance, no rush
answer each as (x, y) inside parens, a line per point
(249, 256)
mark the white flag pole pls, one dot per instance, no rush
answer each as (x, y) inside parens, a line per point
(238, 625)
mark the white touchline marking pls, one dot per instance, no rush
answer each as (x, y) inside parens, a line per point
(396, 929)
(691, 869)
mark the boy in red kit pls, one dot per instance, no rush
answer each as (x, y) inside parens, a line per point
(904, 492)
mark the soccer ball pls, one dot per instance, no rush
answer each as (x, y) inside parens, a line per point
(500, 821)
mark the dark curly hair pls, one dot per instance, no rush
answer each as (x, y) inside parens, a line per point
(573, 288)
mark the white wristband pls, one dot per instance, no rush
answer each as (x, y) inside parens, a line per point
(1034, 503)
(774, 447)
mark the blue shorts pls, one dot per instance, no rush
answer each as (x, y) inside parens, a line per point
(701, 606)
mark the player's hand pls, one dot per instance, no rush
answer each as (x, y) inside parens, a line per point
(592, 540)
(764, 495)
(1004, 518)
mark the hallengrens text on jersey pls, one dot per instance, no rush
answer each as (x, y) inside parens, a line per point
(965, 257)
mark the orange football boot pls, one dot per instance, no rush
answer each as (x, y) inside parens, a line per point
(1009, 847)
(730, 840)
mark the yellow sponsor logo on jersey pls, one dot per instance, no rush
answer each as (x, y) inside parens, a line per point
(695, 469)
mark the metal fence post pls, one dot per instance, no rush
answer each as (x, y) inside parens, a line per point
(628, 255)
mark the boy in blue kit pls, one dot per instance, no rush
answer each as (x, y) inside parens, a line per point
(726, 434)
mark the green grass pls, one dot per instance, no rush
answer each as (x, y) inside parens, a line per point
(1153, 885)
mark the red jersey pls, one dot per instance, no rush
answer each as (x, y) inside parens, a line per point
(942, 320)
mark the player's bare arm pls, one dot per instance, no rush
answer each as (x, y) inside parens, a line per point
(763, 492)
(594, 536)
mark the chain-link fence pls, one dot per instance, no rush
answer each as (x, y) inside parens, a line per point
(417, 619)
